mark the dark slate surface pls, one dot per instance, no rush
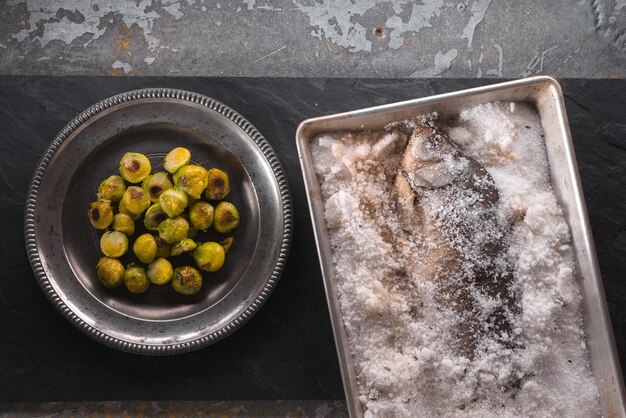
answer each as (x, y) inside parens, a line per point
(287, 350)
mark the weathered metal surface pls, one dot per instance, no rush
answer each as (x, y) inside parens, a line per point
(368, 38)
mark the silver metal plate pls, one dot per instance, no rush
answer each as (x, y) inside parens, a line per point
(545, 94)
(63, 247)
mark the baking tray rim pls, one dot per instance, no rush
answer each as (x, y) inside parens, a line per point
(308, 128)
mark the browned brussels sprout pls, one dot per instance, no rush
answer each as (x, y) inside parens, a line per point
(187, 280)
(100, 214)
(218, 186)
(112, 189)
(192, 179)
(155, 184)
(226, 217)
(134, 167)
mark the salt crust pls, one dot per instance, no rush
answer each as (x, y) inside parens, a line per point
(401, 339)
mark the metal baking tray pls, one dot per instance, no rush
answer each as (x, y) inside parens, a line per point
(546, 95)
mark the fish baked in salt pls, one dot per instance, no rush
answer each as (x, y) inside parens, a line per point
(451, 201)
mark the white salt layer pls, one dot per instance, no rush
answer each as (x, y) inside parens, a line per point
(401, 338)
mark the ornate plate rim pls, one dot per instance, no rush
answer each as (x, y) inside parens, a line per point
(81, 119)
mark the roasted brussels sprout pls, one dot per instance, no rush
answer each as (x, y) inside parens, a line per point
(201, 215)
(155, 184)
(133, 216)
(100, 215)
(134, 167)
(173, 229)
(192, 179)
(164, 249)
(110, 271)
(209, 256)
(145, 248)
(135, 200)
(183, 246)
(136, 280)
(173, 202)
(176, 158)
(154, 216)
(227, 243)
(124, 224)
(112, 189)
(187, 280)
(218, 185)
(113, 244)
(160, 271)
(226, 217)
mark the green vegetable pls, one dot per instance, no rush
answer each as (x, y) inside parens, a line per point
(112, 189)
(183, 246)
(100, 214)
(226, 217)
(110, 271)
(155, 184)
(218, 185)
(173, 229)
(173, 201)
(124, 224)
(134, 167)
(160, 271)
(192, 179)
(187, 280)
(113, 244)
(209, 256)
(136, 280)
(176, 158)
(145, 248)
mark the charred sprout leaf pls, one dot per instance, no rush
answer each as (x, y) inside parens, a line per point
(192, 232)
(183, 246)
(110, 271)
(226, 217)
(187, 280)
(176, 158)
(173, 202)
(134, 167)
(218, 185)
(201, 215)
(192, 179)
(209, 256)
(113, 244)
(135, 200)
(154, 216)
(112, 189)
(173, 229)
(226, 244)
(164, 250)
(124, 224)
(160, 271)
(100, 214)
(136, 279)
(145, 248)
(155, 184)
